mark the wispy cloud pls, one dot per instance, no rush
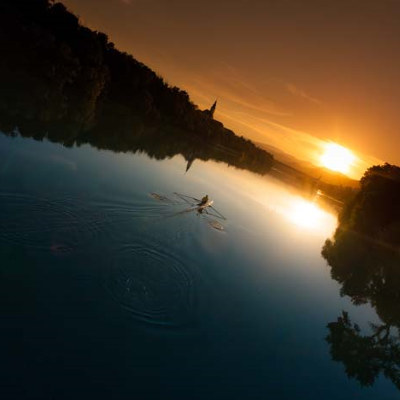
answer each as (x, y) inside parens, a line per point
(301, 93)
(299, 144)
(235, 93)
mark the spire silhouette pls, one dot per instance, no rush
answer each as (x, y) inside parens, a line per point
(211, 111)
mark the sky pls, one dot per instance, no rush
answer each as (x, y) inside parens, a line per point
(294, 74)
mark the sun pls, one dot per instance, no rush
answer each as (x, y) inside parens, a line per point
(337, 158)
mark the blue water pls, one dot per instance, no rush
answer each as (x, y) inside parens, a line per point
(109, 293)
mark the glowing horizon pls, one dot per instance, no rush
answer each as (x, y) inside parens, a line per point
(275, 84)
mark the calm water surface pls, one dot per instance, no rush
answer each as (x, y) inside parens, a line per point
(107, 292)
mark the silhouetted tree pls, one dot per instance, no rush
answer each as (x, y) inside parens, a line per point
(364, 257)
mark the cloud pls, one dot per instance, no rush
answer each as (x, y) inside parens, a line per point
(301, 93)
(299, 144)
(234, 93)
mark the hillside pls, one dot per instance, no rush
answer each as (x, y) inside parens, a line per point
(55, 70)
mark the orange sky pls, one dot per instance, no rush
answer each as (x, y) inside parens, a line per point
(293, 74)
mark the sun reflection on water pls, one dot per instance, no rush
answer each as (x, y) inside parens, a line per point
(305, 214)
(301, 211)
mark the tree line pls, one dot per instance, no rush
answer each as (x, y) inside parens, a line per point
(56, 71)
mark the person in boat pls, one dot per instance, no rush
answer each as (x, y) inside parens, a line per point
(203, 201)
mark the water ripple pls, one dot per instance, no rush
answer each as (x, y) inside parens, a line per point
(55, 225)
(153, 284)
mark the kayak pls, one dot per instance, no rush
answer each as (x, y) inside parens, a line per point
(208, 203)
(206, 207)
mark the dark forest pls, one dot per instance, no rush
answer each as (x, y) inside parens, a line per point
(67, 83)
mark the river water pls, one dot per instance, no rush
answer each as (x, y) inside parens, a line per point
(112, 287)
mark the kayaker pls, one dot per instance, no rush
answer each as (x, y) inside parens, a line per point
(203, 201)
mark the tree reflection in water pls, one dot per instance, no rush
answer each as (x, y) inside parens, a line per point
(365, 356)
(365, 259)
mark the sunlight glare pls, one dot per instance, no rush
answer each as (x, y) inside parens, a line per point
(337, 158)
(306, 214)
